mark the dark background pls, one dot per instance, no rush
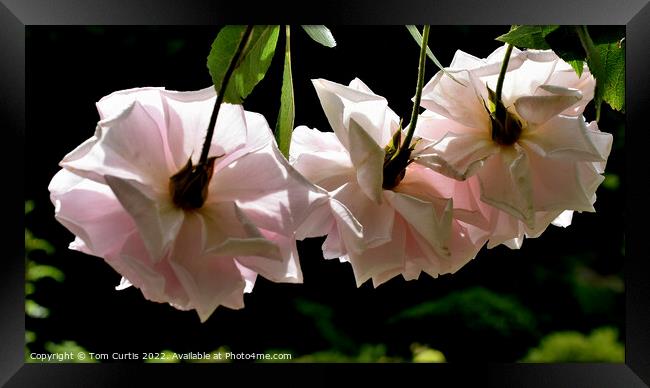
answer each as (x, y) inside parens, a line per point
(495, 308)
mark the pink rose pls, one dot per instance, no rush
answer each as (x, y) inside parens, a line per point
(553, 164)
(114, 195)
(411, 228)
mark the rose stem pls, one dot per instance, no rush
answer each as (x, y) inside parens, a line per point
(502, 73)
(222, 91)
(418, 91)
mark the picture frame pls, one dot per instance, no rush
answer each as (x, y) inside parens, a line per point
(15, 15)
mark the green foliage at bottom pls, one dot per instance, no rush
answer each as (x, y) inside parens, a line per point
(570, 346)
(422, 353)
(499, 326)
(35, 273)
(367, 353)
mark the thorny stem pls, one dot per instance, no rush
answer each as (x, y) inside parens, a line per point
(505, 126)
(222, 91)
(502, 74)
(418, 92)
(396, 159)
(592, 55)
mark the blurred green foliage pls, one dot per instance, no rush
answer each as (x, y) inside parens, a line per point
(570, 346)
(423, 353)
(495, 323)
(35, 310)
(475, 315)
(479, 308)
(34, 273)
(322, 317)
(498, 325)
(595, 293)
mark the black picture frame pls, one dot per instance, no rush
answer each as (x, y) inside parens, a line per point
(15, 15)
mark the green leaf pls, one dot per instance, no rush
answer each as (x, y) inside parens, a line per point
(284, 125)
(606, 62)
(415, 33)
(565, 42)
(251, 66)
(320, 34)
(613, 84)
(606, 34)
(577, 65)
(528, 36)
(603, 48)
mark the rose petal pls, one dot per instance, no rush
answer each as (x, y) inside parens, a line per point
(506, 229)
(306, 140)
(377, 220)
(334, 247)
(351, 232)
(564, 75)
(320, 158)
(208, 279)
(385, 257)
(368, 159)
(540, 109)
(249, 277)
(102, 224)
(603, 143)
(455, 156)
(228, 232)
(158, 219)
(286, 270)
(157, 281)
(187, 117)
(558, 184)
(114, 104)
(431, 220)
(259, 134)
(522, 81)
(564, 219)
(209, 282)
(271, 193)
(568, 138)
(461, 103)
(124, 284)
(341, 102)
(506, 184)
(117, 150)
(153, 102)
(357, 84)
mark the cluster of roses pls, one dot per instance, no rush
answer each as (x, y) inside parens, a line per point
(461, 187)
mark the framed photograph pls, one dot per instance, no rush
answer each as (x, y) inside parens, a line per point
(447, 190)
